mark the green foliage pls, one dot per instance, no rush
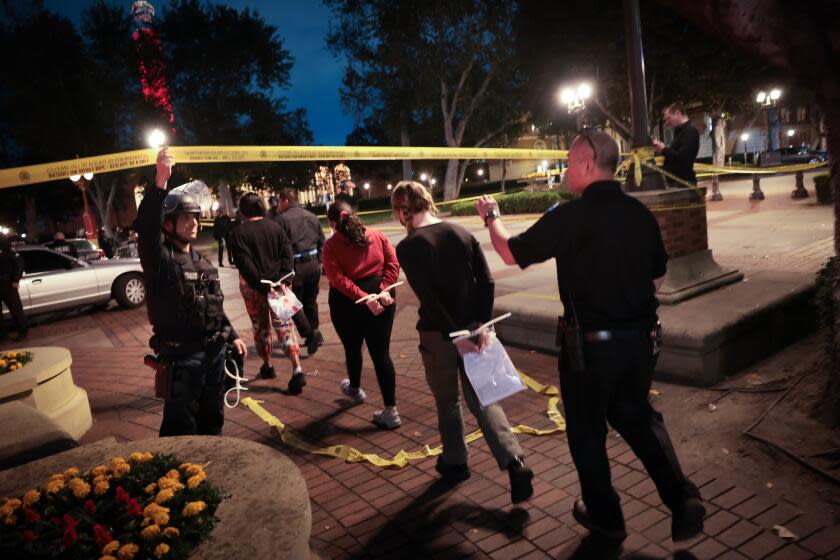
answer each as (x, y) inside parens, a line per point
(517, 203)
(822, 184)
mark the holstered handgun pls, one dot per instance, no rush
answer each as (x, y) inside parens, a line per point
(163, 376)
(570, 339)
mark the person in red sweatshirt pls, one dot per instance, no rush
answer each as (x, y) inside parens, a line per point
(359, 261)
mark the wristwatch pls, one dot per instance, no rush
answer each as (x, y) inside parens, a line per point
(491, 215)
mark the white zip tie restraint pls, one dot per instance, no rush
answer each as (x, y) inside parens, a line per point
(461, 335)
(237, 377)
(370, 297)
(275, 284)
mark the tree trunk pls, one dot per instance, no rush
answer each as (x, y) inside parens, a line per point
(462, 170)
(31, 217)
(718, 145)
(504, 173)
(451, 186)
(405, 140)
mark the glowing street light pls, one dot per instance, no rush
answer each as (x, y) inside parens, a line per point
(744, 138)
(790, 132)
(433, 181)
(480, 171)
(768, 99)
(390, 186)
(215, 206)
(575, 97)
(156, 139)
(422, 176)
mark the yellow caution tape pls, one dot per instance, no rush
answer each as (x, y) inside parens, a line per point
(743, 169)
(242, 154)
(402, 458)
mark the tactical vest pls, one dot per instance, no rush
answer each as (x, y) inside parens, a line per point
(191, 308)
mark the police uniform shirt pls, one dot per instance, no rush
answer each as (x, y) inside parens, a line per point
(303, 229)
(608, 249)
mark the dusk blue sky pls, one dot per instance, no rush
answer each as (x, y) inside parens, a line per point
(316, 74)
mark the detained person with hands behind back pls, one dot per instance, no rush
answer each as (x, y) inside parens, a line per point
(447, 270)
(184, 302)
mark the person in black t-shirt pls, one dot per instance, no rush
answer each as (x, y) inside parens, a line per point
(680, 155)
(447, 270)
(262, 251)
(610, 258)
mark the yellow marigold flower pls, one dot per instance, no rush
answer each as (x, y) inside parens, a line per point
(127, 551)
(150, 532)
(11, 519)
(108, 557)
(164, 496)
(101, 488)
(171, 532)
(71, 472)
(13, 503)
(161, 549)
(136, 456)
(54, 486)
(98, 471)
(116, 461)
(193, 508)
(191, 468)
(6, 511)
(196, 480)
(157, 513)
(57, 476)
(31, 497)
(170, 483)
(111, 547)
(150, 489)
(121, 470)
(173, 473)
(79, 487)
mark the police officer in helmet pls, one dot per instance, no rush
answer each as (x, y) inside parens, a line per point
(184, 301)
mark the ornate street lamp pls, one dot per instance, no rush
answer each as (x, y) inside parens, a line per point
(575, 100)
(82, 182)
(767, 101)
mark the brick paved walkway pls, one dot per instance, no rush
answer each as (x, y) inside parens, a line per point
(362, 511)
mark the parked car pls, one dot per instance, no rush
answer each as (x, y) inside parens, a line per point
(790, 156)
(85, 249)
(53, 281)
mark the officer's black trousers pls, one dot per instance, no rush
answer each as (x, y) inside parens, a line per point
(197, 403)
(614, 388)
(222, 241)
(306, 285)
(11, 298)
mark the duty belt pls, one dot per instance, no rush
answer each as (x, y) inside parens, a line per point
(304, 254)
(605, 336)
(188, 347)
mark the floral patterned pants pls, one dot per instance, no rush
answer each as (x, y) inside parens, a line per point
(262, 321)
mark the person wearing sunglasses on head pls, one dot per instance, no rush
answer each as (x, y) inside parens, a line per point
(610, 260)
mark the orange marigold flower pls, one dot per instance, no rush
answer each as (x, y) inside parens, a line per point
(150, 489)
(111, 547)
(108, 557)
(196, 480)
(31, 497)
(101, 488)
(121, 470)
(171, 532)
(54, 485)
(116, 461)
(127, 552)
(193, 508)
(164, 496)
(150, 532)
(161, 549)
(13, 503)
(71, 472)
(98, 471)
(173, 473)
(169, 483)
(79, 487)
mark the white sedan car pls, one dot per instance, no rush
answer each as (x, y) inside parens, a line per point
(54, 282)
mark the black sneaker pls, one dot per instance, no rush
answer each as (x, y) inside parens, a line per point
(267, 372)
(296, 383)
(520, 481)
(452, 473)
(314, 341)
(582, 516)
(688, 522)
(221, 265)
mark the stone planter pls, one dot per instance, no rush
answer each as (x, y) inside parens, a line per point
(46, 384)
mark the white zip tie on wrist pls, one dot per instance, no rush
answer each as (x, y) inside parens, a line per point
(370, 297)
(275, 284)
(237, 377)
(461, 335)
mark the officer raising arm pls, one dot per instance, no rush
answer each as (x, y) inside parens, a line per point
(184, 302)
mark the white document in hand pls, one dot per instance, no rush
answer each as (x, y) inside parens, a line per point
(492, 374)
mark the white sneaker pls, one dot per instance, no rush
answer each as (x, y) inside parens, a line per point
(388, 418)
(356, 393)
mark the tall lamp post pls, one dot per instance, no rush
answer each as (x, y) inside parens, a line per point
(767, 101)
(744, 138)
(367, 190)
(575, 100)
(82, 181)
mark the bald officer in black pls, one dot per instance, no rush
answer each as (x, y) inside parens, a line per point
(610, 258)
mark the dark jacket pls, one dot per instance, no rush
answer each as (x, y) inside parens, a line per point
(680, 155)
(11, 263)
(261, 251)
(303, 229)
(221, 227)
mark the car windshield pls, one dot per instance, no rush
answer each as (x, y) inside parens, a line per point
(82, 244)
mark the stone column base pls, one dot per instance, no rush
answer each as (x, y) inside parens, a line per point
(692, 275)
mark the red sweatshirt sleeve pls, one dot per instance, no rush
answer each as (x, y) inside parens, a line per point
(336, 276)
(391, 266)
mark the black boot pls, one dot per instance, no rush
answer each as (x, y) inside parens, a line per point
(688, 521)
(520, 481)
(581, 515)
(267, 372)
(452, 473)
(297, 383)
(314, 341)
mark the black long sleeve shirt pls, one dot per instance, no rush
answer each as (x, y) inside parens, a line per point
(261, 251)
(680, 155)
(446, 268)
(11, 263)
(303, 229)
(162, 273)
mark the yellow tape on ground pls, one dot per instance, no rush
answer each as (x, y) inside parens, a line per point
(40, 173)
(402, 458)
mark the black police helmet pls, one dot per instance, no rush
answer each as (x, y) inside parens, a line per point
(272, 201)
(177, 202)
